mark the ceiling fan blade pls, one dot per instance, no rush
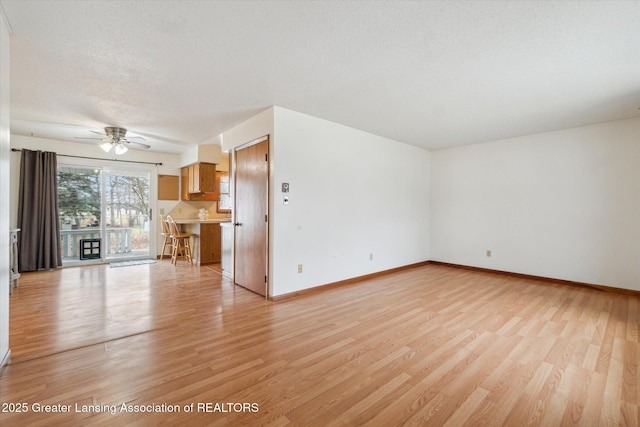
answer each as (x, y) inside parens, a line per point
(135, 139)
(95, 139)
(139, 144)
(99, 133)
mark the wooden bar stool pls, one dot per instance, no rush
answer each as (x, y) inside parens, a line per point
(180, 241)
(168, 240)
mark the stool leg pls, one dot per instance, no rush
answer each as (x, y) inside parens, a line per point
(187, 250)
(174, 252)
(164, 247)
(180, 252)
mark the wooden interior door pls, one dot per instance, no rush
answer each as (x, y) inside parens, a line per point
(251, 215)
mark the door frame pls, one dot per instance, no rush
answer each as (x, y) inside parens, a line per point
(268, 205)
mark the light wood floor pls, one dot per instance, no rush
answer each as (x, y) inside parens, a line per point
(432, 345)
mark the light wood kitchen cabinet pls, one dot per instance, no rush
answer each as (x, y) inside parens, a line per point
(199, 182)
(206, 248)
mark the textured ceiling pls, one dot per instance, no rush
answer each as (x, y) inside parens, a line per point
(431, 74)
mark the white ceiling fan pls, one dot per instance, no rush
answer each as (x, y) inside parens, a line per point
(114, 138)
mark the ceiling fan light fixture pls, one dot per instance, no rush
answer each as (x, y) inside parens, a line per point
(115, 139)
(120, 149)
(106, 146)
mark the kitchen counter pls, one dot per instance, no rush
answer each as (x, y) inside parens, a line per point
(202, 221)
(206, 240)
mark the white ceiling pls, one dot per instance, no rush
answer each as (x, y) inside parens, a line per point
(431, 74)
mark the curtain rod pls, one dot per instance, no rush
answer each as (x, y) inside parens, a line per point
(97, 158)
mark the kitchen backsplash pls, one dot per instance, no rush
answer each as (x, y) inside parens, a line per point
(189, 210)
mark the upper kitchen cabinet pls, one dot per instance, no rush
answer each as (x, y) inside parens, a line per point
(199, 182)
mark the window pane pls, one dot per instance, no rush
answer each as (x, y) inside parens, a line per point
(127, 213)
(79, 200)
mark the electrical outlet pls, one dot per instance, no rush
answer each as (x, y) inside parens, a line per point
(371, 257)
(299, 268)
(489, 253)
(161, 211)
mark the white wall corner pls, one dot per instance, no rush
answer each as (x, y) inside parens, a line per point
(5, 189)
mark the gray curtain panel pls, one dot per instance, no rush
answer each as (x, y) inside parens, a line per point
(38, 218)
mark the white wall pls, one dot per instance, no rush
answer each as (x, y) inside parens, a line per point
(562, 204)
(352, 194)
(259, 125)
(4, 189)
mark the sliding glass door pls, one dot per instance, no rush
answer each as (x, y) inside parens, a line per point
(127, 214)
(105, 213)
